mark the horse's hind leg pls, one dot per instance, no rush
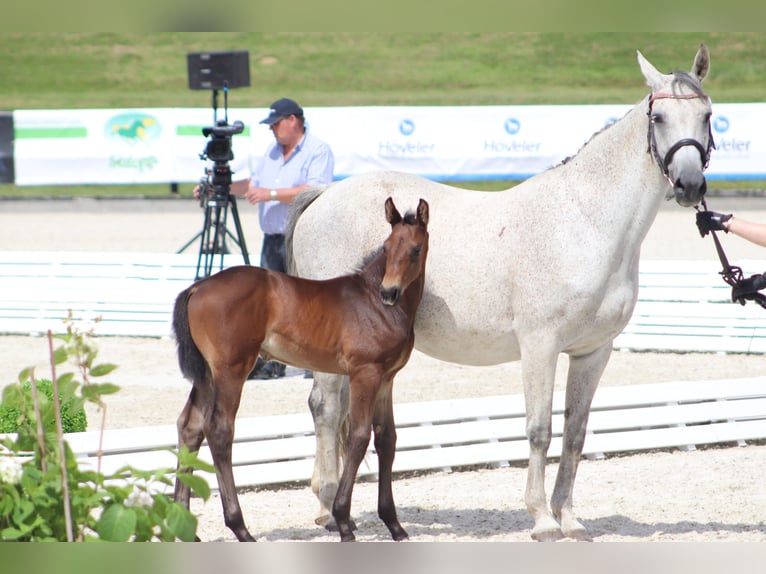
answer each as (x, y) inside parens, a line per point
(190, 433)
(385, 445)
(219, 430)
(584, 375)
(328, 403)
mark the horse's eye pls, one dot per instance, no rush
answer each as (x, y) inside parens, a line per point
(657, 119)
(415, 253)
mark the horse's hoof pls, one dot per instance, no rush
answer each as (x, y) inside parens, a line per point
(245, 537)
(401, 536)
(579, 534)
(573, 528)
(332, 526)
(547, 535)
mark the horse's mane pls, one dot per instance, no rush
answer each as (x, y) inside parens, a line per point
(686, 79)
(595, 134)
(680, 78)
(300, 204)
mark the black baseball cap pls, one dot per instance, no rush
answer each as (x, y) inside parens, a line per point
(282, 108)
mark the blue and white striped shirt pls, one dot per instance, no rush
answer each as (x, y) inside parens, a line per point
(311, 163)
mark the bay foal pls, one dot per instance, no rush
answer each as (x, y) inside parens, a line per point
(359, 325)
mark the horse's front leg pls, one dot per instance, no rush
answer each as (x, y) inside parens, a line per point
(584, 375)
(385, 445)
(219, 430)
(363, 389)
(328, 403)
(538, 371)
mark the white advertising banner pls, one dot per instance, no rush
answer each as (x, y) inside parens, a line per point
(163, 145)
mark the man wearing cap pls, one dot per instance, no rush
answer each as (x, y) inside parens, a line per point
(296, 160)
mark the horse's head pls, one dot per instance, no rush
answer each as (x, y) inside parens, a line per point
(406, 250)
(679, 126)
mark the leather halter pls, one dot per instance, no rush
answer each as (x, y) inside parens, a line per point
(664, 162)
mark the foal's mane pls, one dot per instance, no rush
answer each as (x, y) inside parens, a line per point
(680, 78)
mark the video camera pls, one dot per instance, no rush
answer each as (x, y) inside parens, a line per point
(218, 149)
(217, 181)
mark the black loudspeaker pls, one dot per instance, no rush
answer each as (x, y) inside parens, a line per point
(218, 70)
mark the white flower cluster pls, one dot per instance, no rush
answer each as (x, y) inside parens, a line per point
(142, 494)
(10, 467)
(139, 498)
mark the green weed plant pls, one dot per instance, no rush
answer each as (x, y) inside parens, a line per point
(45, 494)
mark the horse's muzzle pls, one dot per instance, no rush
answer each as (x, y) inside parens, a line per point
(390, 296)
(689, 190)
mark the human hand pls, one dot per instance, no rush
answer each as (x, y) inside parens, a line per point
(256, 195)
(708, 221)
(747, 289)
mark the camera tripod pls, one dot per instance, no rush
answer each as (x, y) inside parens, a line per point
(215, 194)
(214, 231)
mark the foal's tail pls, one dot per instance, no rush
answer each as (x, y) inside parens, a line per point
(300, 204)
(191, 361)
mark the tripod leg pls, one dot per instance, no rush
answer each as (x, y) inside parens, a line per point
(240, 236)
(218, 236)
(213, 236)
(204, 242)
(188, 243)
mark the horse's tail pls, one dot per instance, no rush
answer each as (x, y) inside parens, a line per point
(300, 204)
(191, 361)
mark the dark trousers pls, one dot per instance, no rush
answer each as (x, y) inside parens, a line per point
(273, 254)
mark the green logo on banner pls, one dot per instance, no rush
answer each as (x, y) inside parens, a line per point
(133, 128)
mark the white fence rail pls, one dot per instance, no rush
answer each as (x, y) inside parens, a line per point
(683, 306)
(464, 432)
(133, 293)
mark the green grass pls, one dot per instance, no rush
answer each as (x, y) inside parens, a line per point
(111, 70)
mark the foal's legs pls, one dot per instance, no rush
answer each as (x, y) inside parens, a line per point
(219, 430)
(328, 403)
(538, 366)
(190, 434)
(584, 375)
(363, 389)
(385, 445)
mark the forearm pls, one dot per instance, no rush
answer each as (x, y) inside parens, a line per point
(260, 194)
(239, 187)
(753, 232)
(288, 194)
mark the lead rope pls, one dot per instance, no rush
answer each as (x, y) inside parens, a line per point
(731, 274)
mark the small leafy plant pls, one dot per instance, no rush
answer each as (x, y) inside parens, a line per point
(44, 493)
(73, 417)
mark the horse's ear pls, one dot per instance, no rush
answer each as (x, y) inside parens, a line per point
(392, 214)
(423, 212)
(654, 79)
(701, 65)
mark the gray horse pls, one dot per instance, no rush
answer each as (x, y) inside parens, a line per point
(547, 267)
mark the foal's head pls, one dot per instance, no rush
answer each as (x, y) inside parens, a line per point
(406, 249)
